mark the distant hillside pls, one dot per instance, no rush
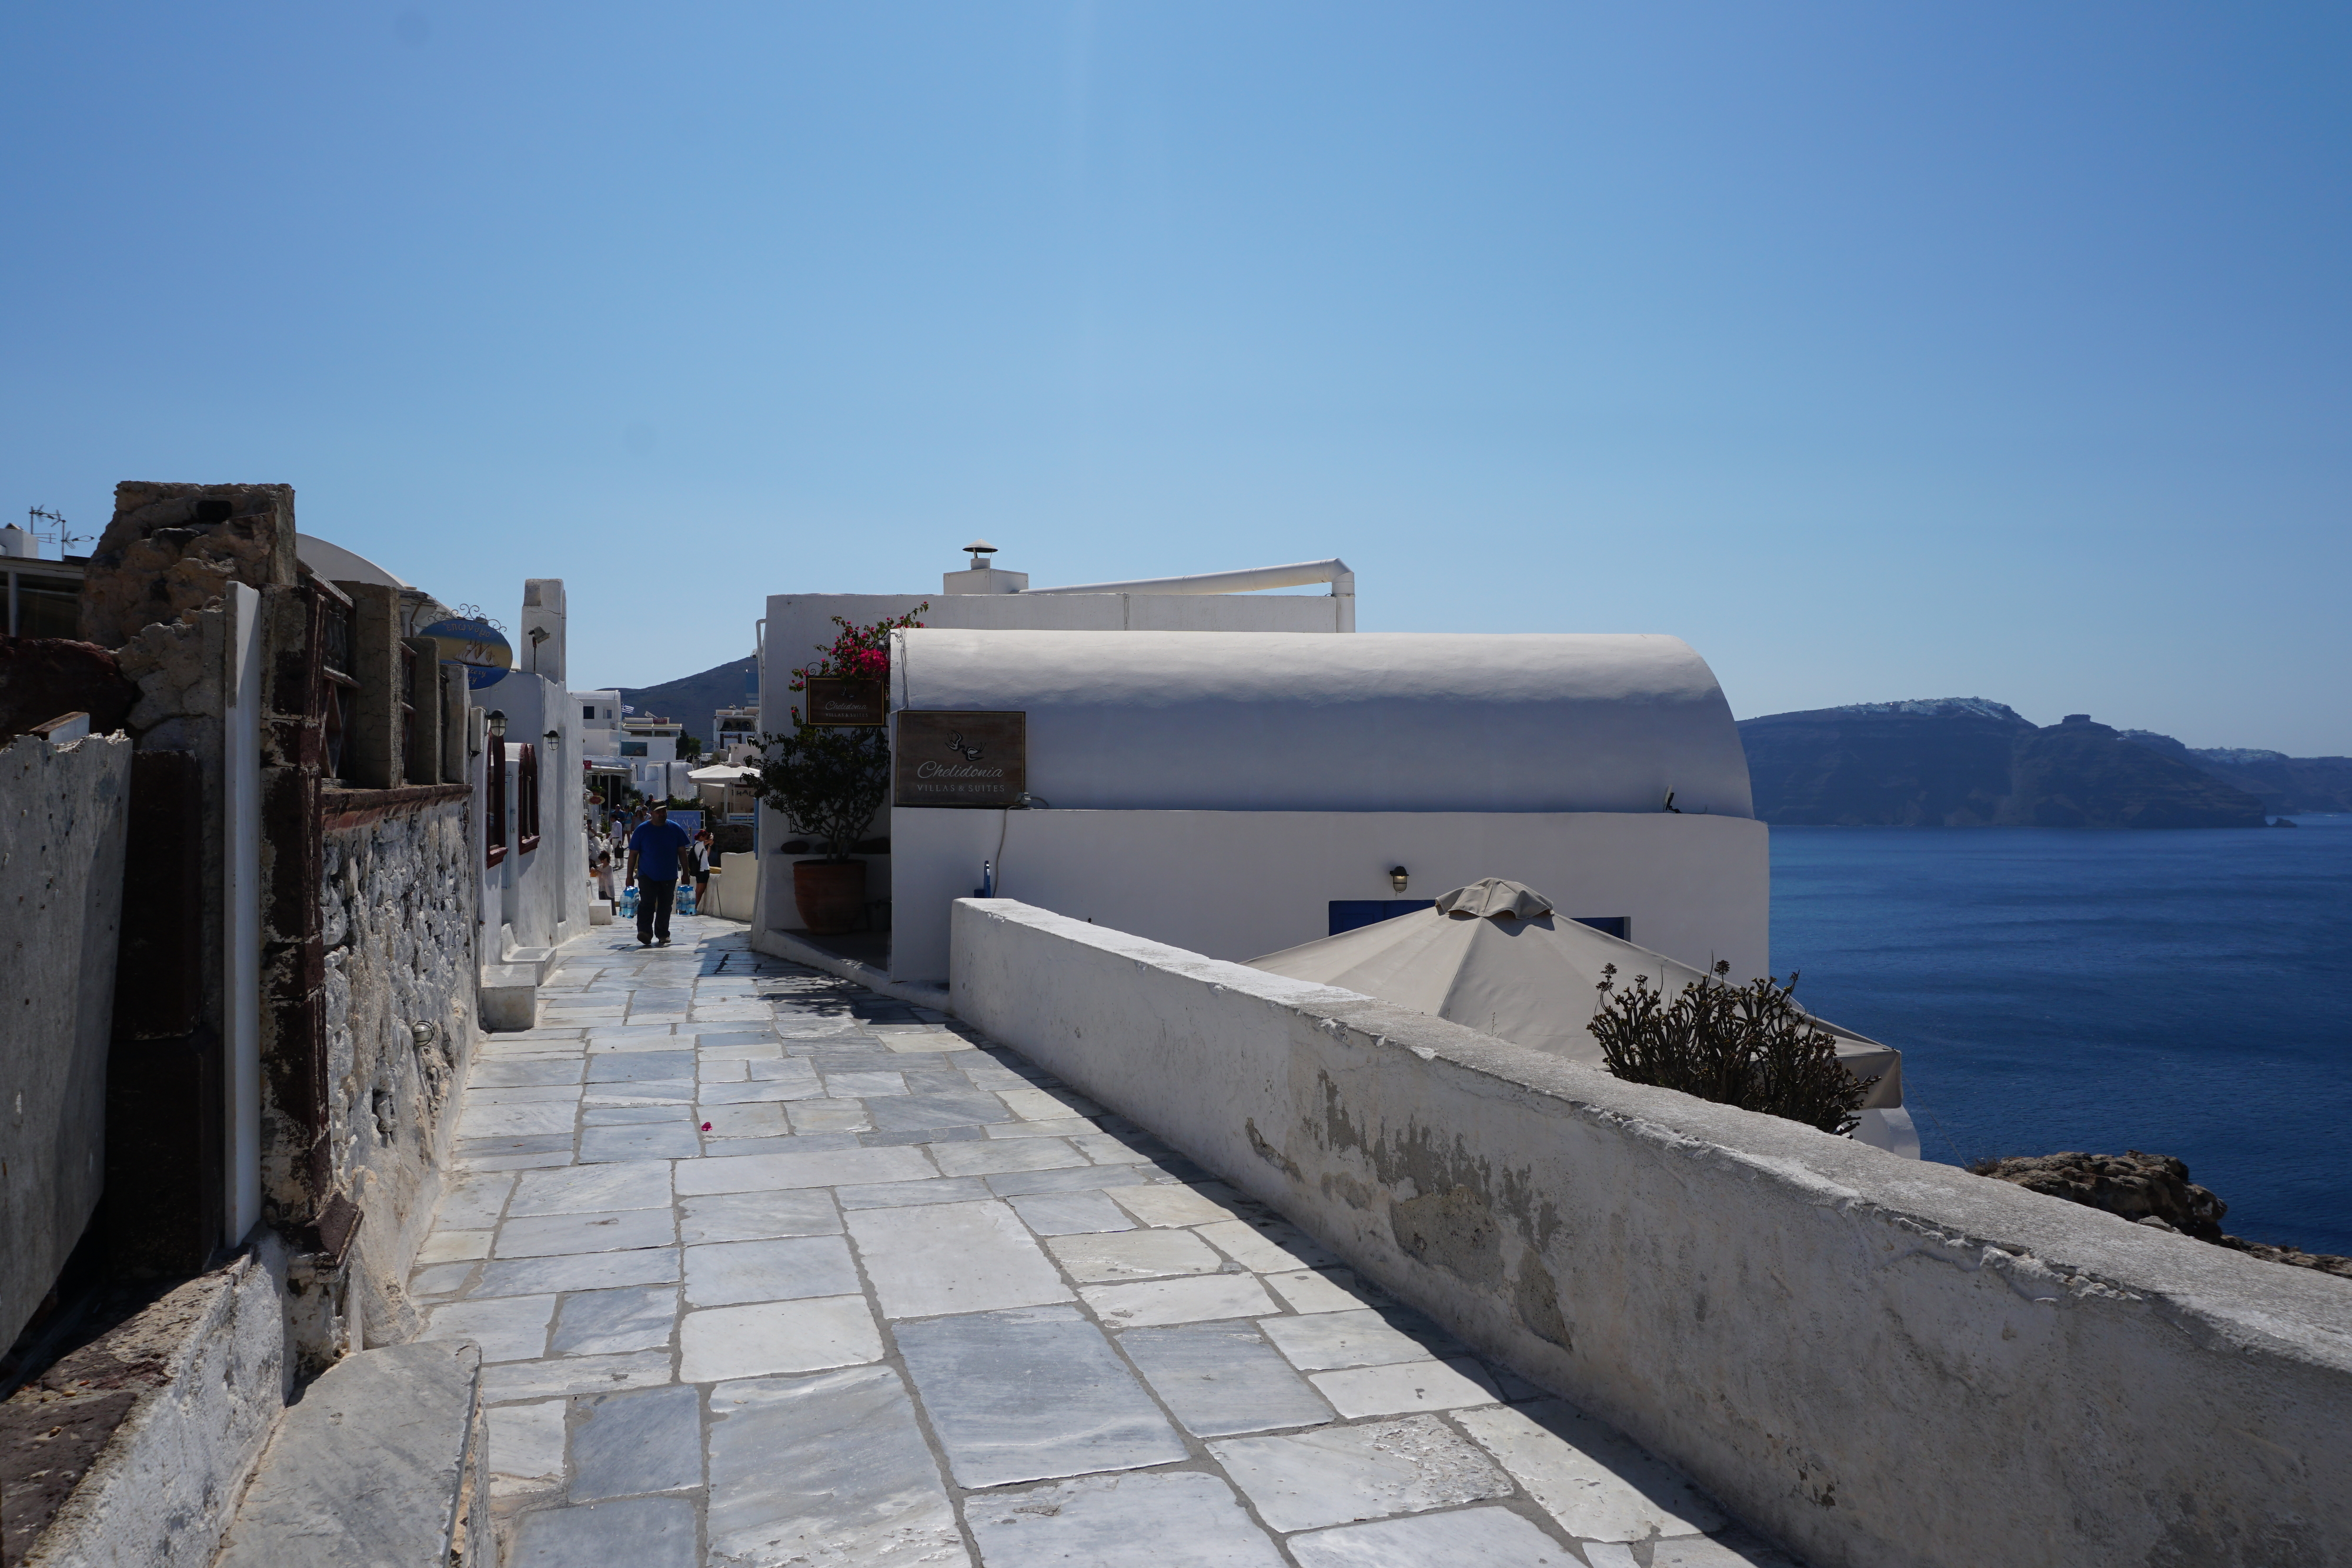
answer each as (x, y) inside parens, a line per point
(2287, 785)
(1968, 762)
(693, 699)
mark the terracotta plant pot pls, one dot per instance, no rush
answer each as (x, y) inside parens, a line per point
(831, 894)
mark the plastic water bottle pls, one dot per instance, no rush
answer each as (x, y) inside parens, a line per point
(629, 900)
(685, 896)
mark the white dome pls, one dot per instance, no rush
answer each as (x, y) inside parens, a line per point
(1271, 721)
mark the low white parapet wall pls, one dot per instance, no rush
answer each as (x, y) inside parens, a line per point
(1883, 1363)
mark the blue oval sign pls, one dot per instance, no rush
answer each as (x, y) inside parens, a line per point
(477, 644)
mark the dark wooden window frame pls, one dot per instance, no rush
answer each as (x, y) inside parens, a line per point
(407, 716)
(494, 813)
(527, 797)
(339, 695)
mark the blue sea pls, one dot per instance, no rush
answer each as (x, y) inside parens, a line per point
(2185, 993)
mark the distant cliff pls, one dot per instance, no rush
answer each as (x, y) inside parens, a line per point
(2287, 785)
(1967, 762)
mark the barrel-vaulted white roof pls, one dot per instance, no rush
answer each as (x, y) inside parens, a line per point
(1271, 721)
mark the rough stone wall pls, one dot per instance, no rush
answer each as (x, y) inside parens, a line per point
(176, 665)
(397, 898)
(171, 549)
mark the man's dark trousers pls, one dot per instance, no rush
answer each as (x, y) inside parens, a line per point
(654, 901)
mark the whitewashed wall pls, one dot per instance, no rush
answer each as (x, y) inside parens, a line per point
(798, 624)
(1885, 1364)
(1238, 884)
(540, 898)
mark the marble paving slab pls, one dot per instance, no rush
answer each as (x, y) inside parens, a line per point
(1026, 1395)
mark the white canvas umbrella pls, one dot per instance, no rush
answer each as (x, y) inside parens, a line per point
(1493, 957)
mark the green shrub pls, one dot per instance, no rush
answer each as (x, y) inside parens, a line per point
(1748, 1046)
(828, 783)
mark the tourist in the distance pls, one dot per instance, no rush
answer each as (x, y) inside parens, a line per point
(659, 850)
(702, 851)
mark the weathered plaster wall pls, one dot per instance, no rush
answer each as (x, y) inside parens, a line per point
(63, 810)
(397, 896)
(1888, 1364)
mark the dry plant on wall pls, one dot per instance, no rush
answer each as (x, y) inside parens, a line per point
(1748, 1046)
(828, 781)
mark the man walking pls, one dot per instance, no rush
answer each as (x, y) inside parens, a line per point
(655, 852)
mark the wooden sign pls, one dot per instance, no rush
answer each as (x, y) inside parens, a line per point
(834, 700)
(946, 759)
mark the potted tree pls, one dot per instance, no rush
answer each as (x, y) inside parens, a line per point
(828, 780)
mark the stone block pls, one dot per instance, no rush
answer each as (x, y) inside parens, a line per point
(634, 1532)
(1028, 1395)
(1491, 1537)
(1597, 1485)
(508, 999)
(383, 1462)
(1341, 1474)
(1183, 1520)
(640, 1442)
(831, 1468)
(1223, 1379)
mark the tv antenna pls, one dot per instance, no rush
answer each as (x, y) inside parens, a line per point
(64, 540)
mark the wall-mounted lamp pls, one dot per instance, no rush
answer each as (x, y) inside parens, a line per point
(497, 721)
(1396, 877)
(536, 634)
(550, 737)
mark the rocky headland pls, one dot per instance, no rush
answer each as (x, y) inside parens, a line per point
(2148, 1190)
(2286, 786)
(1970, 763)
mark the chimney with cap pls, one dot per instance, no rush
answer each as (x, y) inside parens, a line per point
(980, 577)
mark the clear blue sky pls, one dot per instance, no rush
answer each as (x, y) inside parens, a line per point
(1882, 350)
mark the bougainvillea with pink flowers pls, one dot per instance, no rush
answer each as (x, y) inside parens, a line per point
(829, 782)
(857, 652)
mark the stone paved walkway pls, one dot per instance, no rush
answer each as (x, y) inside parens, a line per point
(768, 1270)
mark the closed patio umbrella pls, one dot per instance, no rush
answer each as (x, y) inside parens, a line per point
(1493, 957)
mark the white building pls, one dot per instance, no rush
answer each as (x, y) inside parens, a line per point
(648, 749)
(799, 626)
(735, 735)
(599, 723)
(1238, 793)
(535, 891)
(1200, 781)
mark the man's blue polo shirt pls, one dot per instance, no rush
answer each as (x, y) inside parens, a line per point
(656, 845)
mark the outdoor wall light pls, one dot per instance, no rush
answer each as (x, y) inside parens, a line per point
(497, 723)
(1396, 877)
(550, 737)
